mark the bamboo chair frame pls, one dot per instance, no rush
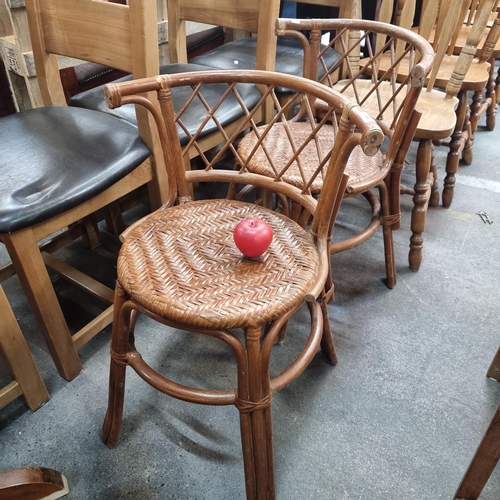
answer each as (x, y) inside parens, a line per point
(201, 232)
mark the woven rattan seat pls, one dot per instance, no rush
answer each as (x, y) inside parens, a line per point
(360, 168)
(182, 264)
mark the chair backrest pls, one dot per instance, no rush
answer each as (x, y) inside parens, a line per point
(119, 36)
(345, 116)
(441, 21)
(370, 52)
(255, 17)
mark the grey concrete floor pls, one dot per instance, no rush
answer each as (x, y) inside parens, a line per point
(398, 418)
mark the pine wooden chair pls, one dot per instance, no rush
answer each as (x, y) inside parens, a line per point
(391, 103)
(60, 164)
(483, 101)
(15, 353)
(488, 452)
(454, 75)
(179, 266)
(262, 51)
(228, 112)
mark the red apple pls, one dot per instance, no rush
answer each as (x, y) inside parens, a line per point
(252, 237)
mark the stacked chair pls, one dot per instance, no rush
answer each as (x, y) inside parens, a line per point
(59, 164)
(456, 75)
(258, 48)
(180, 266)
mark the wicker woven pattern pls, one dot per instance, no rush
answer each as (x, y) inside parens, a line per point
(182, 264)
(276, 153)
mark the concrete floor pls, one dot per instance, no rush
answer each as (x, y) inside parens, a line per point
(398, 418)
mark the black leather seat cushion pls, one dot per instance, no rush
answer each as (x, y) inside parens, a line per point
(229, 111)
(240, 54)
(54, 158)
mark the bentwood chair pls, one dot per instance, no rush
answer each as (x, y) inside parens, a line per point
(391, 103)
(15, 353)
(179, 266)
(488, 452)
(61, 164)
(449, 84)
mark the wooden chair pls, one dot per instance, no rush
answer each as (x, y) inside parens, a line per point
(60, 164)
(26, 379)
(263, 51)
(485, 100)
(392, 104)
(488, 452)
(443, 105)
(179, 266)
(32, 483)
(455, 75)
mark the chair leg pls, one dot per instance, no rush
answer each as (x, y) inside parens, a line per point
(434, 198)
(468, 130)
(327, 344)
(387, 223)
(254, 405)
(456, 145)
(18, 359)
(420, 202)
(491, 112)
(483, 462)
(494, 369)
(123, 320)
(30, 268)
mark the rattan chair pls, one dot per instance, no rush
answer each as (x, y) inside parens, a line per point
(391, 103)
(180, 266)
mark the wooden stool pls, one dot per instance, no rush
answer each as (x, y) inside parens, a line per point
(488, 452)
(15, 353)
(32, 484)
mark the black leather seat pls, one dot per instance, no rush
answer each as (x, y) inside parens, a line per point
(55, 158)
(228, 112)
(240, 54)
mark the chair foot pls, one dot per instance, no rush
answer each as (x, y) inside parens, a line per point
(32, 484)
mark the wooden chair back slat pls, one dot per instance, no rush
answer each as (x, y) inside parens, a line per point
(101, 33)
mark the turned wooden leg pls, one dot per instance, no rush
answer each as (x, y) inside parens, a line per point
(30, 268)
(483, 462)
(122, 322)
(17, 357)
(456, 145)
(32, 484)
(434, 197)
(467, 130)
(254, 405)
(491, 97)
(420, 202)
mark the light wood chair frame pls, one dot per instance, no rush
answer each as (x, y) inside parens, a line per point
(75, 28)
